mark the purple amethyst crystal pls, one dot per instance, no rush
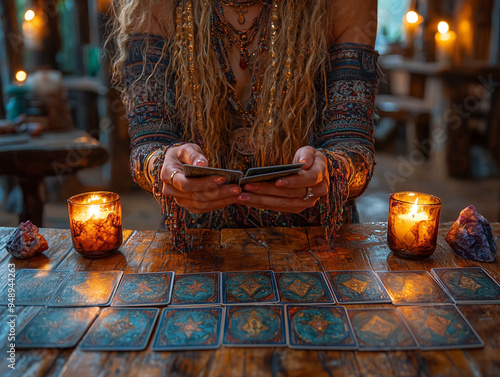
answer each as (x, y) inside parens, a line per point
(26, 242)
(471, 236)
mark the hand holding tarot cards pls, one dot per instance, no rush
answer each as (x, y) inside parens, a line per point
(267, 173)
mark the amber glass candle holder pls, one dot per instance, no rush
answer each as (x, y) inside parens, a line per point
(413, 224)
(96, 223)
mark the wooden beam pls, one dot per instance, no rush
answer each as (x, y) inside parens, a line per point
(13, 38)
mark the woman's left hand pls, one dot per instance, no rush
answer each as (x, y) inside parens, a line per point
(288, 194)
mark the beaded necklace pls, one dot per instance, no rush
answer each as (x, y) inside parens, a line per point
(240, 7)
(232, 36)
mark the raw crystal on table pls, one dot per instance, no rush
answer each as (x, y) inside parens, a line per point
(471, 236)
(26, 242)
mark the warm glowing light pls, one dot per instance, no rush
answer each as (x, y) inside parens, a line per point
(414, 208)
(29, 15)
(21, 76)
(443, 27)
(412, 17)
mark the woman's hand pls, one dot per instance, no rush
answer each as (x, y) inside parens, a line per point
(287, 194)
(197, 195)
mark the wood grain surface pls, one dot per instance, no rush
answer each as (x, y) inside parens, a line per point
(279, 249)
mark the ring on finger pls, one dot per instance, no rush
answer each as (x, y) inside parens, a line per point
(172, 177)
(309, 194)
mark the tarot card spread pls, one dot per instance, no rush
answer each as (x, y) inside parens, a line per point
(86, 289)
(381, 330)
(36, 287)
(254, 326)
(193, 328)
(469, 285)
(196, 289)
(413, 287)
(249, 287)
(145, 289)
(303, 287)
(440, 327)
(319, 327)
(120, 330)
(356, 287)
(56, 328)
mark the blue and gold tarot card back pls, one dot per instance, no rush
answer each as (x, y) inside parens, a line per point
(303, 287)
(470, 285)
(86, 288)
(189, 328)
(413, 288)
(36, 287)
(196, 289)
(357, 287)
(381, 330)
(254, 326)
(56, 327)
(120, 329)
(440, 327)
(145, 289)
(319, 327)
(255, 287)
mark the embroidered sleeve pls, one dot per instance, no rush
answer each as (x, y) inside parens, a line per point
(347, 111)
(149, 98)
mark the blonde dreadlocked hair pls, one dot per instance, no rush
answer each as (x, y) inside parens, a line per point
(286, 107)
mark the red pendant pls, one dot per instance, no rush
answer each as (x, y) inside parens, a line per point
(243, 62)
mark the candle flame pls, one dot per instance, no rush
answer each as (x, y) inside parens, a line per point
(443, 27)
(29, 15)
(412, 17)
(414, 208)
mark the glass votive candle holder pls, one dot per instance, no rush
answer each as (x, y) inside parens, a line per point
(96, 223)
(413, 224)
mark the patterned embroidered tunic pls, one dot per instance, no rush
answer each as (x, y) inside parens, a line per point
(344, 132)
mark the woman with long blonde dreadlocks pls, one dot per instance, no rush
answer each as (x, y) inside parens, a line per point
(236, 84)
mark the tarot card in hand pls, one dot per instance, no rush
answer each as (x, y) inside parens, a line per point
(440, 327)
(145, 289)
(121, 329)
(413, 288)
(470, 285)
(189, 328)
(36, 287)
(357, 287)
(86, 288)
(56, 327)
(381, 330)
(319, 327)
(254, 326)
(255, 287)
(192, 171)
(303, 287)
(270, 173)
(196, 289)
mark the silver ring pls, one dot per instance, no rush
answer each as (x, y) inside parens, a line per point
(309, 194)
(172, 177)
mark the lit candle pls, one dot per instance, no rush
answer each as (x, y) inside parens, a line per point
(96, 223)
(413, 224)
(445, 43)
(411, 21)
(33, 30)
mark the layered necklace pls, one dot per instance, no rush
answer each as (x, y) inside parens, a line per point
(229, 36)
(240, 7)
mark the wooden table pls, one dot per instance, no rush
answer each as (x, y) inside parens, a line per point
(280, 249)
(51, 154)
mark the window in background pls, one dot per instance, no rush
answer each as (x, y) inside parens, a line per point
(390, 18)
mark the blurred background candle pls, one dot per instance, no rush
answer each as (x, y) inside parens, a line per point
(413, 224)
(96, 223)
(445, 44)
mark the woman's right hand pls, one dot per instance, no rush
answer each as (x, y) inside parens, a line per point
(197, 195)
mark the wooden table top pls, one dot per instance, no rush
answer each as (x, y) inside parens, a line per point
(52, 153)
(280, 249)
